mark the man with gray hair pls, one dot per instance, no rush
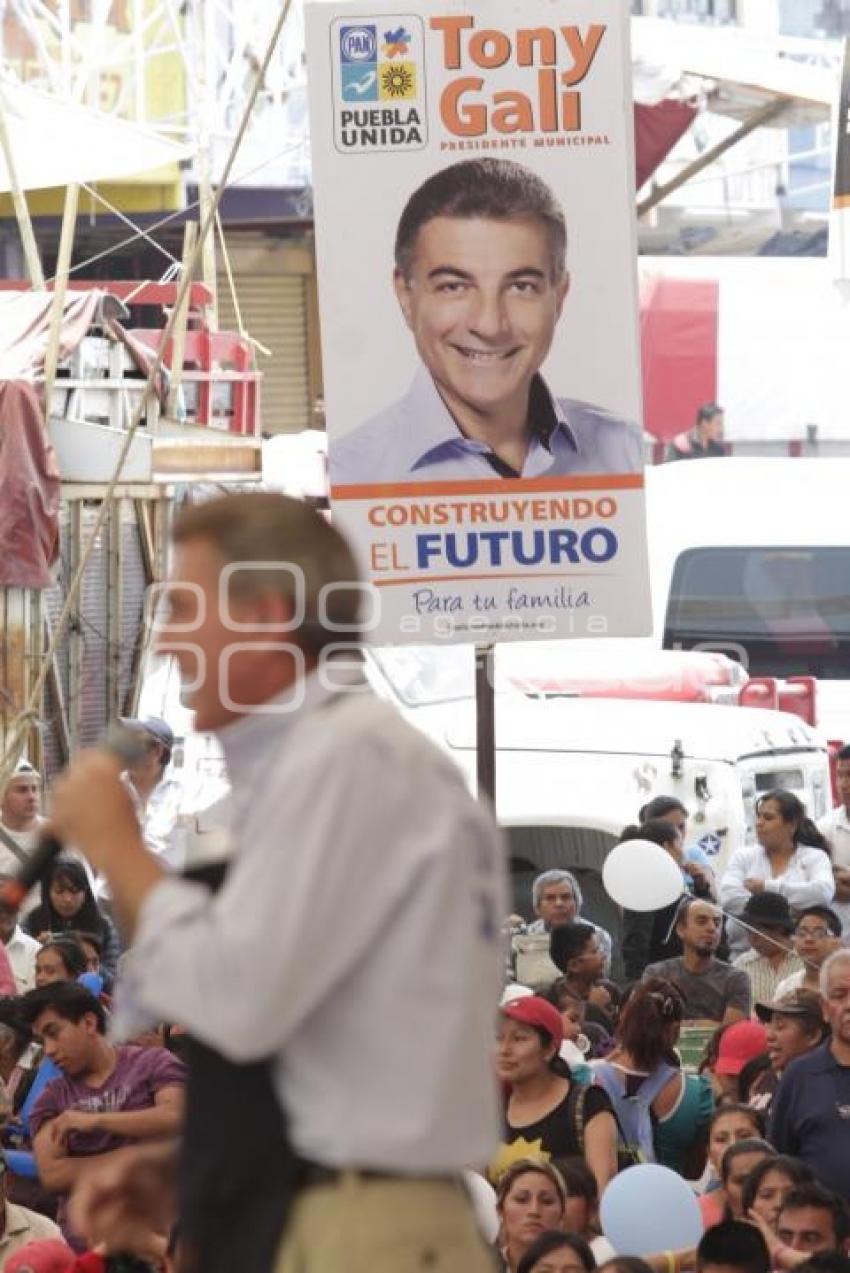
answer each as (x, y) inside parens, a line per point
(810, 1115)
(337, 1054)
(557, 899)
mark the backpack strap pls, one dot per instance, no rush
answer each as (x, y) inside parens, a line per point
(13, 847)
(630, 1154)
(626, 1155)
(655, 1084)
(575, 1109)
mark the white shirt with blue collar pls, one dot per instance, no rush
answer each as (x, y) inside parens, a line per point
(417, 440)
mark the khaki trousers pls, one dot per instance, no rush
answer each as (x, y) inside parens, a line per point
(366, 1225)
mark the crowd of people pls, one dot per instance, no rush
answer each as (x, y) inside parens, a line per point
(721, 1052)
(70, 1098)
(711, 1037)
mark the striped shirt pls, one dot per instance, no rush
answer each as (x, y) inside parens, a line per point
(765, 976)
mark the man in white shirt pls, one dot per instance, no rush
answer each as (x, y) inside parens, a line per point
(835, 828)
(353, 950)
(20, 947)
(159, 798)
(20, 816)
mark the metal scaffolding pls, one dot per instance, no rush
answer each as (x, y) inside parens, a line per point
(182, 66)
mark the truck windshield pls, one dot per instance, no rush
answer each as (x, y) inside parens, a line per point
(422, 674)
(780, 611)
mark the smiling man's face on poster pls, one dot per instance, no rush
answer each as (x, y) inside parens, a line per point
(475, 223)
(482, 298)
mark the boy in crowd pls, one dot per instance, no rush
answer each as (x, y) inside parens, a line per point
(108, 1097)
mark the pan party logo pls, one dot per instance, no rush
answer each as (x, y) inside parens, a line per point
(379, 87)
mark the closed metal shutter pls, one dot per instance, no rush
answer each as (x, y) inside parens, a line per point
(105, 629)
(272, 286)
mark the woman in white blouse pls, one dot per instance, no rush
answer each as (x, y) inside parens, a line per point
(791, 858)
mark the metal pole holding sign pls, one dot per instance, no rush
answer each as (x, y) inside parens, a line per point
(485, 721)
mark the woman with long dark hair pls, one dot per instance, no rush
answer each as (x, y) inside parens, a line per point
(546, 1110)
(68, 905)
(767, 1186)
(661, 1112)
(790, 858)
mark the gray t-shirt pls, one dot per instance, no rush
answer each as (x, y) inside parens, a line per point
(707, 994)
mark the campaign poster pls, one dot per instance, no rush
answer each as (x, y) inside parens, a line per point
(473, 171)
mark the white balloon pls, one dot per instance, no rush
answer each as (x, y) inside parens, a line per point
(483, 1197)
(641, 876)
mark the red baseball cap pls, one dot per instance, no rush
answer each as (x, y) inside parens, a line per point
(532, 1010)
(46, 1255)
(740, 1043)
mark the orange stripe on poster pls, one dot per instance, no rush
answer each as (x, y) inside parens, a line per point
(498, 486)
(457, 578)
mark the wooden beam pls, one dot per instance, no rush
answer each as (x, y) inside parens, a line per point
(758, 119)
(22, 212)
(178, 342)
(114, 626)
(150, 293)
(207, 203)
(54, 680)
(60, 287)
(146, 544)
(75, 635)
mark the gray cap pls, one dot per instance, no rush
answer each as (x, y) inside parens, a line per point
(797, 1003)
(157, 728)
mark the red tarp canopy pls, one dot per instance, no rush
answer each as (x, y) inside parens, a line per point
(29, 477)
(657, 129)
(678, 338)
(29, 490)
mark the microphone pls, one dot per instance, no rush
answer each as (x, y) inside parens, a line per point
(126, 745)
